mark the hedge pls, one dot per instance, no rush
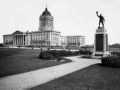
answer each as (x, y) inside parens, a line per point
(115, 53)
(54, 54)
(112, 61)
(46, 55)
(85, 52)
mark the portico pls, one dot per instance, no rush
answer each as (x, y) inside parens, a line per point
(18, 38)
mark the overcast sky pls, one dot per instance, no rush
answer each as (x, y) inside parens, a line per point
(71, 17)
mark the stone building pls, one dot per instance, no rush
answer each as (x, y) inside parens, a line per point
(63, 41)
(75, 41)
(45, 36)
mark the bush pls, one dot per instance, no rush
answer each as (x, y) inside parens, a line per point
(1, 45)
(112, 61)
(19, 46)
(53, 54)
(59, 58)
(46, 55)
(76, 53)
(60, 53)
(85, 52)
(115, 53)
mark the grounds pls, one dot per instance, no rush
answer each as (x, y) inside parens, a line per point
(94, 77)
(15, 61)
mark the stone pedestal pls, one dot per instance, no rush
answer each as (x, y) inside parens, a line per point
(101, 48)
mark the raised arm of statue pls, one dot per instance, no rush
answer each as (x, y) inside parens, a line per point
(97, 13)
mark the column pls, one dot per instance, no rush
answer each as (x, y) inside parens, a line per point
(13, 41)
(16, 40)
(20, 40)
(23, 39)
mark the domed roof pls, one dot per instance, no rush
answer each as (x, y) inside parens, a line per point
(46, 12)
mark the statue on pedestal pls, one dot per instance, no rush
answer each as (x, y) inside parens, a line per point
(101, 19)
(101, 47)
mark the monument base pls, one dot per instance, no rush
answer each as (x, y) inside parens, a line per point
(101, 47)
(100, 54)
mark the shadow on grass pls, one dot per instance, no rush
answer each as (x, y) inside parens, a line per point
(16, 61)
(23, 66)
(94, 77)
(5, 52)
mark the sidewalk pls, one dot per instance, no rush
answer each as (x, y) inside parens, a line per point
(37, 77)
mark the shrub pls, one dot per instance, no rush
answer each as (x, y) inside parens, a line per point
(60, 53)
(112, 61)
(19, 46)
(1, 45)
(46, 55)
(76, 53)
(85, 52)
(115, 53)
(59, 58)
(53, 54)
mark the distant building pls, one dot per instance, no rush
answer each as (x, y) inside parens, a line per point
(63, 41)
(75, 41)
(45, 36)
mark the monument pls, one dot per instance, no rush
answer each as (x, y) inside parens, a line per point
(101, 48)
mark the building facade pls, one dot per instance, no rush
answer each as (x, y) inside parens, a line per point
(75, 41)
(45, 36)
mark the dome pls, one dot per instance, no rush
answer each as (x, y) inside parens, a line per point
(46, 12)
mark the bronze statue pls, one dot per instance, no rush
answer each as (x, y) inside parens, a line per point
(101, 19)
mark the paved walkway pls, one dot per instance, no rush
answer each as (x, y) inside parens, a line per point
(37, 77)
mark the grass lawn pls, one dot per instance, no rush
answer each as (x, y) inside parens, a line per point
(94, 77)
(14, 61)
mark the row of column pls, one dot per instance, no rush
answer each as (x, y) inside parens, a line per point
(19, 40)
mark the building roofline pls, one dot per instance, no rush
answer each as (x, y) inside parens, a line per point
(75, 36)
(8, 35)
(44, 31)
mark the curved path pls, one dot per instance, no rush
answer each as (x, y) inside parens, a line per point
(41, 76)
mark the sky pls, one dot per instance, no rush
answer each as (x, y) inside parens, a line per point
(71, 17)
